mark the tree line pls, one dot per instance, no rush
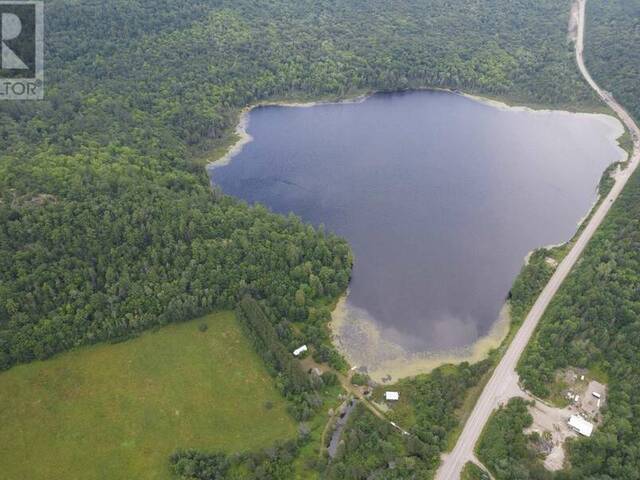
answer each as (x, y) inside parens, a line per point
(108, 223)
(272, 463)
(505, 450)
(299, 387)
(594, 320)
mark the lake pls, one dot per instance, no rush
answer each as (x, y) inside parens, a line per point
(441, 197)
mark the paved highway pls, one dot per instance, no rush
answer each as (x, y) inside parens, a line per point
(503, 383)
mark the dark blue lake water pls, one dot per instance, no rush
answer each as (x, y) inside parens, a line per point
(441, 197)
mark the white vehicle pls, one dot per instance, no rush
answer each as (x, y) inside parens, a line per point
(300, 350)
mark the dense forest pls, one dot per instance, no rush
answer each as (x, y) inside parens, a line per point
(506, 450)
(611, 49)
(594, 320)
(371, 449)
(434, 404)
(594, 323)
(108, 225)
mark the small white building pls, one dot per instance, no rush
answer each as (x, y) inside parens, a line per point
(580, 425)
(597, 395)
(300, 350)
(391, 395)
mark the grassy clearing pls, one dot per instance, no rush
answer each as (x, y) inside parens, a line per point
(556, 396)
(473, 472)
(119, 411)
(598, 373)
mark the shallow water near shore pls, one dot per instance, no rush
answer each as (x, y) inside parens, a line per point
(441, 197)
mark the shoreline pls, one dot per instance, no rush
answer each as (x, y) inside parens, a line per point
(407, 364)
(244, 137)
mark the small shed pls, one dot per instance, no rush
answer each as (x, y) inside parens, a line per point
(300, 350)
(391, 395)
(580, 425)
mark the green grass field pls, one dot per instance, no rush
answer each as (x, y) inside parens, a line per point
(118, 411)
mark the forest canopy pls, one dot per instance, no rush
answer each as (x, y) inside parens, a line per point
(108, 225)
(594, 320)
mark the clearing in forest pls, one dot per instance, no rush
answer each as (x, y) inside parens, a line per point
(119, 411)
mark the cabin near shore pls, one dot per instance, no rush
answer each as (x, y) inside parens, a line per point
(393, 396)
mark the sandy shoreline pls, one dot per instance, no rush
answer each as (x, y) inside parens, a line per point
(384, 358)
(616, 127)
(244, 137)
(397, 362)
